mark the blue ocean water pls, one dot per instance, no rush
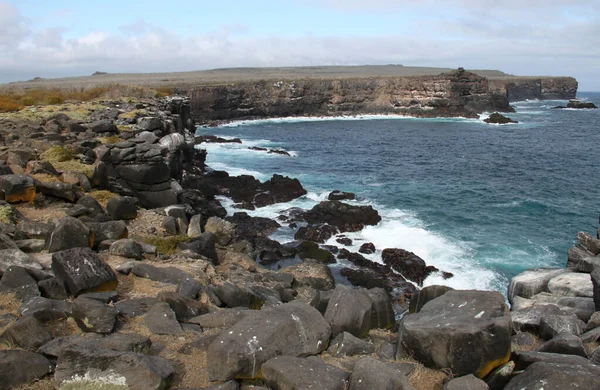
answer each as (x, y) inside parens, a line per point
(482, 201)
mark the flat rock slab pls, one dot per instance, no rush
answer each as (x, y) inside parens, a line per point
(572, 284)
(169, 275)
(552, 376)
(526, 358)
(371, 373)
(345, 344)
(465, 331)
(296, 373)
(533, 281)
(94, 316)
(220, 319)
(123, 342)
(293, 329)
(12, 364)
(160, 319)
(137, 371)
(82, 270)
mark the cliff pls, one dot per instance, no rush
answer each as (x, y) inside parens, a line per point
(543, 88)
(452, 94)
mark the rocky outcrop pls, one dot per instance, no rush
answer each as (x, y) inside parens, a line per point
(524, 88)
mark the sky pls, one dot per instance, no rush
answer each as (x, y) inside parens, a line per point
(59, 38)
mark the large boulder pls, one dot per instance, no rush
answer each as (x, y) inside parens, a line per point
(346, 344)
(110, 230)
(248, 226)
(595, 276)
(465, 331)
(12, 364)
(572, 284)
(564, 343)
(411, 266)
(292, 329)
(349, 310)
(370, 373)
(347, 218)
(556, 376)
(551, 325)
(317, 233)
(127, 248)
(70, 233)
(134, 370)
(426, 294)
(121, 207)
(82, 270)
(26, 333)
(65, 191)
(17, 188)
(279, 189)
(533, 281)
(580, 259)
(94, 316)
(588, 242)
(309, 373)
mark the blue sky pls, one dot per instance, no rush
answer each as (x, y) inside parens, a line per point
(66, 38)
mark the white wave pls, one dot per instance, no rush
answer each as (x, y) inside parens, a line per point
(237, 171)
(341, 118)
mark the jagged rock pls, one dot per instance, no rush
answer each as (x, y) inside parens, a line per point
(59, 190)
(564, 343)
(41, 167)
(292, 329)
(345, 344)
(347, 218)
(571, 284)
(552, 376)
(16, 257)
(317, 233)
(307, 373)
(578, 104)
(247, 226)
(590, 336)
(528, 318)
(183, 308)
(531, 282)
(582, 307)
(367, 248)
(426, 294)
(82, 270)
(94, 316)
(70, 233)
(127, 248)
(312, 274)
(121, 207)
(53, 288)
(26, 333)
(135, 307)
(311, 250)
(18, 281)
(189, 288)
(467, 382)
(91, 204)
(593, 322)
(349, 310)
(579, 259)
(35, 229)
(44, 309)
(110, 230)
(465, 331)
(371, 373)
(524, 359)
(223, 318)
(137, 371)
(340, 195)
(411, 266)
(551, 325)
(17, 188)
(203, 245)
(195, 226)
(278, 189)
(588, 242)
(169, 275)
(382, 313)
(499, 119)
(12, 362)
(160, 319)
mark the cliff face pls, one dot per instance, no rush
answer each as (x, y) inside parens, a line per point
(523, 88)
(457, 93)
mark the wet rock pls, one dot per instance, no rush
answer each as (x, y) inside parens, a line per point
(499, 119)
(127, 248)
(552, 376)
(26, 333)
(564, 343)
(82, 270)
(311, 250)
(347, 218)
(317, 233)
(466, 331)
(367, 248)
(344, 241)
(349, 310)
(12, 362)
(279, 189)
(578, 104)
(160, 319)
(137, 371)
(345, 344)
(307, 373)
(122, 207)
(411, 266)
(340, 195)
(94, 316)
(312, 274)
(292, 329)
(371, 373)
(70, 233)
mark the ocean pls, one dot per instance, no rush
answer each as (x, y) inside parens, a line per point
(484, 202)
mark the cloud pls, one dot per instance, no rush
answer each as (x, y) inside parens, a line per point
(13, 26)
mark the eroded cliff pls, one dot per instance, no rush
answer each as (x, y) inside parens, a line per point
(543, 88)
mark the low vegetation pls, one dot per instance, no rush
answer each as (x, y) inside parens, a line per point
(166, 245)
(102, 196)
(63, 159)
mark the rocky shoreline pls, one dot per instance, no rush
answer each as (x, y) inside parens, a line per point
(120, 267)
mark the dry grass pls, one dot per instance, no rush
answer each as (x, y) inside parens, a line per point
(113, 139)
(89, 385)
(44, 384)
(57, 154)
(63, 327)
(47, 214)
(45, 178)
(9, 303)
(102, 196)
(423, 378)
(131, 286)
(166, 245)
(591, 347)
(525, 348)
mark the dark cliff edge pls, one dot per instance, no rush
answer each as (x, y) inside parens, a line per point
(453, 94)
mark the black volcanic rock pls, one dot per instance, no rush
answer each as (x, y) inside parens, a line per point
(499, 119)
(347, 218)
(578, 104)
(411, 266)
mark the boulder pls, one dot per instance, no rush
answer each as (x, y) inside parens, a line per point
(195, 228)
(572, 284)
(94, 316)
(78, 179)
(137, 371)
(467, 382)
(593, 322)
(203, 245)
(579, 259)
(53, 288)
(524, 359)
(189, 288)
(65, 191)
(498, 119)
(247, 226)
(90, 203)
(160, 319)
(82, 270)
(17, 188)
(110, 230)
(533, 281)
(311, 273)
(564, 343)
(231, 295)
(528, 318)
(16, 257)
(371, 373)
(340, 195)
(184, 308)
(501, 376)
(135, 307)
(367, 248)
(426, 294)
(35, 229)
(578, 104)
(595, 276)
(18, 281)
(582, 307)
(588, 242)
(307, 374)
(292, 329)
(127, 248)
(169, 275)
(26, 333)
(551, 325)
(347, 218)
(465, 331)
(223, 318)
(590, 336)
(123, 342)
(553, 376)
(311, 250)
(382, 313)
(349, 310)
(411, 266)
(44, 309)
(70, 233)
(103, 126)
(345, 344)
(317, 233)
(122, 207)
(12, 364)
